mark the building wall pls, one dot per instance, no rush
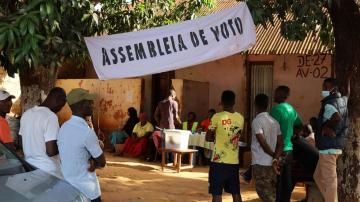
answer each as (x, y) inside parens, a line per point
(186, 91)
(114, 98)
(302, 73)
(223, 74)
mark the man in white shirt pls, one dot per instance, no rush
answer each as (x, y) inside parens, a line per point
(79, 148)
(39, 127)
(266, 148)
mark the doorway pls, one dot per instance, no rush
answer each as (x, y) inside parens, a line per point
(261, 81)
(161, 83)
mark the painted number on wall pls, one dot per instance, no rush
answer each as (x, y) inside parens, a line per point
(312, 66)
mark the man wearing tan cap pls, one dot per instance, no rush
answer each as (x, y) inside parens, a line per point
(79, 148)
(5, 106)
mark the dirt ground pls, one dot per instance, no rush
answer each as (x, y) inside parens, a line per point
(127, 179)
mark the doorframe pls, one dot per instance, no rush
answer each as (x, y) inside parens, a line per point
(248, 82)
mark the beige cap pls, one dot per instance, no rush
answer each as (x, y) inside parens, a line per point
(79, 94)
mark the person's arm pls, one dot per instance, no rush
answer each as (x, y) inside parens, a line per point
(298, 122)
(279, 147)
(148, 134)
(260, 137)
(134, 135)
(51, 148)
(264, 145)
(333, 120)
(98, 162)
(176, 113)
(97, 159)
(50, 136)
(278, 152)
(211, 133)
(157, 115)
(149, 130)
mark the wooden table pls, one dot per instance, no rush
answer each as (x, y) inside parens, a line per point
(178, 153)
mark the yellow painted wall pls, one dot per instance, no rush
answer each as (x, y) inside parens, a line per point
(114, 98)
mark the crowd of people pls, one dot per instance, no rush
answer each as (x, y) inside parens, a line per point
(73, 151)
(139, 137)
(280, 140)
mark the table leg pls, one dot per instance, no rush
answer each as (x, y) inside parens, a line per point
(179, 163)
(175, 159)
(163, 154)
(191, 159)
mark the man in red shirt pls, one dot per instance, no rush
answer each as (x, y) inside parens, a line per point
(5, 106)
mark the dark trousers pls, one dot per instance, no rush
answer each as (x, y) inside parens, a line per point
(150, 149)
(285, 185)
(97, 199)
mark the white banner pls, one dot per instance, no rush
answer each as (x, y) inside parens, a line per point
(173, 46)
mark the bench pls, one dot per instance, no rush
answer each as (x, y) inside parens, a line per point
(178, 154)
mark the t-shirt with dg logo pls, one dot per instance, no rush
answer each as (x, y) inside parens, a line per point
(227, 128)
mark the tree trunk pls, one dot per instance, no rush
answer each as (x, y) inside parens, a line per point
(34, 83)
(345, 17)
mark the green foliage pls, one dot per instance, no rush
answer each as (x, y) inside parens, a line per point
(119, 16)
(298, 17)
(43, 32)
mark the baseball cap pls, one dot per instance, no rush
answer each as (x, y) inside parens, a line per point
(79, 94)
(5, 95)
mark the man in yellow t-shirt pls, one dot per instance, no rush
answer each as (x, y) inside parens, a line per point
(136, 144)
(225, 130)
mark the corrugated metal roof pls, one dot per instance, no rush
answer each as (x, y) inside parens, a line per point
(270, 40)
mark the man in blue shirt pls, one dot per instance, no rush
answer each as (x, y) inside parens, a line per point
(330, 135)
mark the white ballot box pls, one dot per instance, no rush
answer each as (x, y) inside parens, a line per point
(176, 139)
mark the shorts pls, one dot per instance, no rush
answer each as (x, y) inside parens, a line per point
(224, 177)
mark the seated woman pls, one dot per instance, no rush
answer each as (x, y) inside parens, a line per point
(119, 136)
(191, 124)
(135, 145)
(204, 126)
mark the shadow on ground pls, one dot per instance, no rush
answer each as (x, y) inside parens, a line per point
(126, 180)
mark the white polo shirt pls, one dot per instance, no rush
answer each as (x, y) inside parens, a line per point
(77, 143)
(270, 128)
(39, 125)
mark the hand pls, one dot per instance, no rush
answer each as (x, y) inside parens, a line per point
(101, 143)
(326, 131)
(276, 166)
(92, 166)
